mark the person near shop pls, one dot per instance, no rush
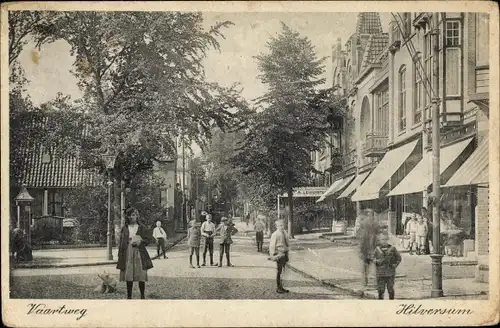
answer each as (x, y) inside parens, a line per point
(421, 235)
(278, 251)
(428, 220)
(133, 257)
(259, 234)
(194, 241)
(387, 259)
(161, 239)
(411, 230)
(225, 231)
(208, 232)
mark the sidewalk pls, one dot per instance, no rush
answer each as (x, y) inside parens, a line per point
(340, 266)
(76, 257)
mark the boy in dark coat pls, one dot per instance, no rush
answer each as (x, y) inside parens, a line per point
(387, 258)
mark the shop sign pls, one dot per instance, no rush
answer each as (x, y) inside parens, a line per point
(307, 192)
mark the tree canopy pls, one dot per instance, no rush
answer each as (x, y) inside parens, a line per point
(297, 116)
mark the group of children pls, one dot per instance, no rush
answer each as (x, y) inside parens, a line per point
(417, 228)
(207, 231)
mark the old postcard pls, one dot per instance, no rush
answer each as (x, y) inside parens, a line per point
(208, 164)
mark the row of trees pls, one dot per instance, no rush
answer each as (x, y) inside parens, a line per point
(143, 85)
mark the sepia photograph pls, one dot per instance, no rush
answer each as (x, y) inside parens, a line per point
(174, 155)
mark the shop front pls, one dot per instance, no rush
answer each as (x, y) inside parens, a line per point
(457, 204)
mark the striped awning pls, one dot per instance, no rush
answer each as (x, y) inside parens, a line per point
(354, 185)
(474, 170)
(337, 186)
(390, 163)
(421, 176)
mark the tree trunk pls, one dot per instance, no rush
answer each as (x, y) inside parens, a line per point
(290, 212)
(116, 209)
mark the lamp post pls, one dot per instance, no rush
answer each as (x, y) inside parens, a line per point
(109, 161)
(24, 199)
(437, 257)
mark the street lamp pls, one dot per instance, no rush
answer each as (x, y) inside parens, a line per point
(109, 160)
(24, 199)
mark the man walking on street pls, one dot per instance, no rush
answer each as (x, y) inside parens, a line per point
(161, 239)
(367, 234)
(259, 234)
(278, 251)
(208, 231)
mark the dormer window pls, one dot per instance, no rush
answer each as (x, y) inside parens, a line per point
(46, 158)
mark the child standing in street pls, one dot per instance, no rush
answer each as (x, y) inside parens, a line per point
(161, 239)
(133, 257)
(226, 230)
(259, 234)
(387, 259)
(411, 230)
(208, 231)
(421, 235)
(278, 251)
(194, 240)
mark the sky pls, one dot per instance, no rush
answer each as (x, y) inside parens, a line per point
(234, 63)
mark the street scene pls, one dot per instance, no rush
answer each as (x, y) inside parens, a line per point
(204, 155)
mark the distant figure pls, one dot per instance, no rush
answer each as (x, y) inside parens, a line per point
(259, 234)
(387, 259)
(428, 220)
(411, 230)
(278, 251)
(194, 240)
(225, 230)
(367, 234)
(208, 232)
(161, 239)
(422, 231)
(133, 257)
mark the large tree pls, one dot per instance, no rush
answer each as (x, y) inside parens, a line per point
(297, 117)
(144, 86)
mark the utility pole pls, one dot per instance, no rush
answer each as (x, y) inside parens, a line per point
(184, 202)
(437, 257)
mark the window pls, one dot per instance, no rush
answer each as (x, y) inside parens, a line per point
(418, 91)
(382, 112)
(482, 39)
(453, 61)
(56, 201)
(428, 70)
(46, 158)
(452, 33)
(402, 98)
(407, 24)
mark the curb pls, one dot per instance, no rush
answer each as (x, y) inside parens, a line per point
(350, 291)
(75, 265)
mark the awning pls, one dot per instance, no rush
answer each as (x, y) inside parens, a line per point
(474, 170)
(354, 185)
(421, 176)
(330, 190)
(389, 164)
(335, 187)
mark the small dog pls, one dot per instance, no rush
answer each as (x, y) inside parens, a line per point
(108, 284)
